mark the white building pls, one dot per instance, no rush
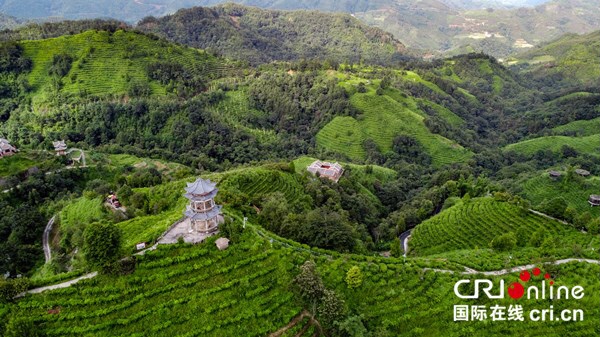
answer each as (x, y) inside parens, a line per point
(6, 149)
(332, 171)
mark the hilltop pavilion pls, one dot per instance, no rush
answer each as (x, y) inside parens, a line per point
(60, 147)
(204, 216)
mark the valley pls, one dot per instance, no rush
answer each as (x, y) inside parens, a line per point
(491, 164)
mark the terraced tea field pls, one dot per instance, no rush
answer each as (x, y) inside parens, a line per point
(588, 144)
(476, 223)
(576, 195)
(177, 291)
(105, 63)
(581, 127)
(236, 111)
(196, 290)
(383, 119)
(260, 181)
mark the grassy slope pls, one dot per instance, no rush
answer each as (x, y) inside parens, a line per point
(576, 57)
(256, 182)
(587, 144)
(105, 63)
(384, 117)
(120, 160)
(474, 224)
(581, 127)
(14, 164)
(445, 113)
(82, 211)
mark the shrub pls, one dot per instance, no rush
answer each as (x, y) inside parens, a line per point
(9, 288)
(396, 249)
(593, 227)
(504, 242)
(102, 243)
(354, 277)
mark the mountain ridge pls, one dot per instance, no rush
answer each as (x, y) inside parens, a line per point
(444, 26)
(258, 36)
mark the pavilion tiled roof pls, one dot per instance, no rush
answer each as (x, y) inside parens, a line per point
(59, 145)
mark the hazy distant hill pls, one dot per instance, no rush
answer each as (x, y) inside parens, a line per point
(495, 27)
(256, 35)
(449, 26)
(7, 22)
(496, 32)
(570, 60)
(475, 4)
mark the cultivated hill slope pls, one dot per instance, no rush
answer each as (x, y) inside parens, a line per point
(258, 35)
(586, 144)
(473, 224)
(540, 187)
(104, 63)
(383, 118)
(570, 60)
(197, 290)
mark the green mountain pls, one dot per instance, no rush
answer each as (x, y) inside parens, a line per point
(101, 63)
(571, 60)
(457, 150)
(111, 68)
(451, 27)
(258, 36)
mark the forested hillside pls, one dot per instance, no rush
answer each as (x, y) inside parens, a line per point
(258, 36)
(447, 27)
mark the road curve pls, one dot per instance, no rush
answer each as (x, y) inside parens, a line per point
(82, 157)
(404, 236)
(59, 285)
(46, 239)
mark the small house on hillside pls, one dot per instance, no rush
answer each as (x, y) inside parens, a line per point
(60, 147)
(6, 149)
(332, 171)
(594, 200)
(583, 173)
(554, 174)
